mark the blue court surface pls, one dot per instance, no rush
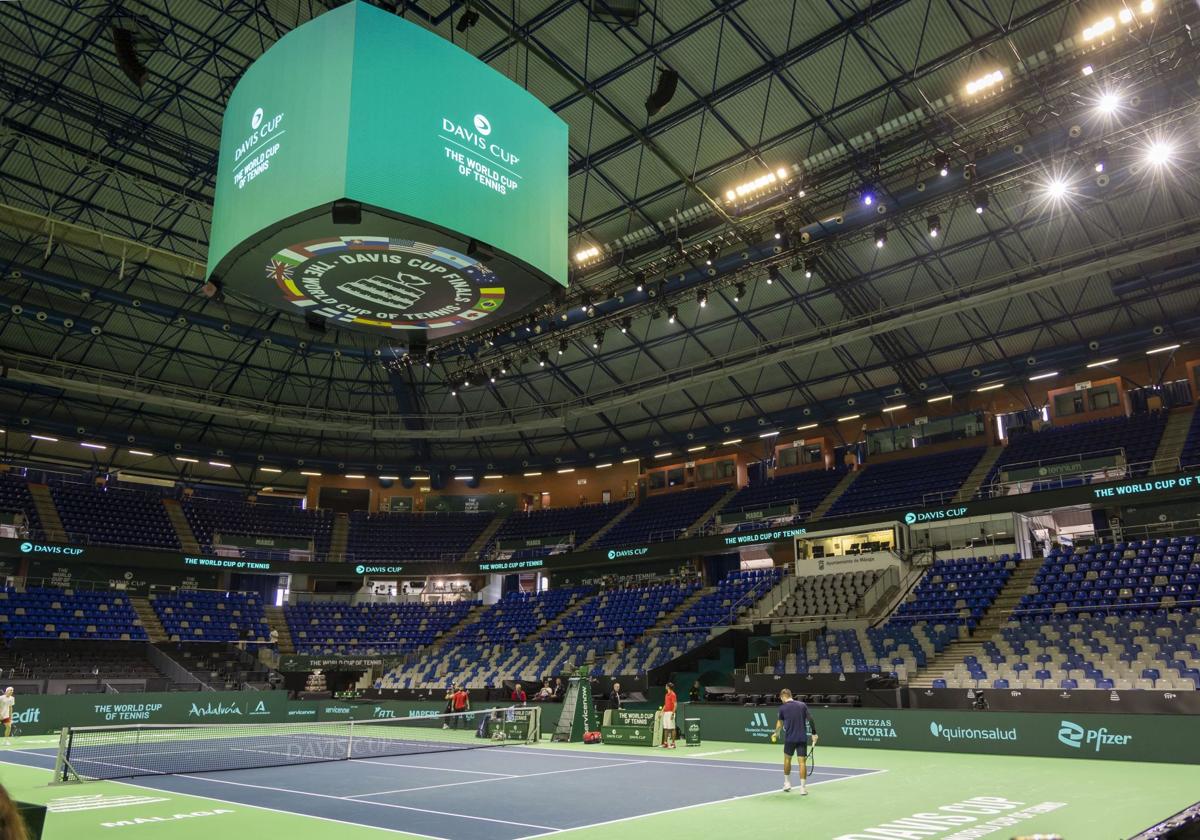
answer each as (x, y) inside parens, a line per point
(508, 793)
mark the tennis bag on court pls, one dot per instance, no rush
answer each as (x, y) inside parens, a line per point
(481, 731)
(591, 737)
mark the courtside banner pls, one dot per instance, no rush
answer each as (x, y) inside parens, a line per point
(1109, 737)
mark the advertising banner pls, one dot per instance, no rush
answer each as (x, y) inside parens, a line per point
(1109, 737)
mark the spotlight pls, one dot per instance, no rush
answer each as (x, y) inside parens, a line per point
(562, 346)
(1099, 160)
(867, 195)
(453, 392)
(702, 298)
(640, 278)
(493, 375)
(713, 253)
(779, 227)
(935, 226)
(505, 364)
(1056, 189)
(597, 339)
(739, 292)
(941, 162)
(626, 324)
(1088, 70)
(797, 262)
(1108, 103)
(980, 198)
(969, 172)
(430, 358)
(672, 314)
(543, 357)
(1160, 153)
(773, 275)
(880, 236)
(466, 20)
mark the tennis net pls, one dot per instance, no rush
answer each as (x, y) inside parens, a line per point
(118, 752)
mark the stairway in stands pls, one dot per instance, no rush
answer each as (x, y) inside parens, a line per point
(975, 480)
(278, 621)
(834, 494)
(996, 617)
(149, 618)
(612, 524)
(338, 537)
(698, 526)
(1170, 446)
(52, 526)
(485, 537)
(183, 528)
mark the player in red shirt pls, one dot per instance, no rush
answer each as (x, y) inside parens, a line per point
(668, 718)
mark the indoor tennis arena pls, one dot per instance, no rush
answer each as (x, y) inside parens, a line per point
(497, 419)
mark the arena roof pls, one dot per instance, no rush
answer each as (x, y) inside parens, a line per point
(105, 199)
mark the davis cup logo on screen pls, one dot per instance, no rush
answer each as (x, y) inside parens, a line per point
(390, 284)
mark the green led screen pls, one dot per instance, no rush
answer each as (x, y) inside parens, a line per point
(456, 178)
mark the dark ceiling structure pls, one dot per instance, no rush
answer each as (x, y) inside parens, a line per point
(845, 206)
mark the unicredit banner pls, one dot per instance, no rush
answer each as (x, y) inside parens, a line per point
(455, 178)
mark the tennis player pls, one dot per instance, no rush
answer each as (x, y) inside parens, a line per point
(668, 718)
(7, 701)
(793, 717)
(462, 704)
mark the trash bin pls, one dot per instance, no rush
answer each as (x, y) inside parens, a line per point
(691, 732)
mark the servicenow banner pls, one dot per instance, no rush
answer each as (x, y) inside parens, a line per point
(1111, 737)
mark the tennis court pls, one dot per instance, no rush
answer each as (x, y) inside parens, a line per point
(525, 791)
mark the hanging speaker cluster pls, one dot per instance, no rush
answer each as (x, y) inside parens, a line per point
(125, 47)
(656, 101)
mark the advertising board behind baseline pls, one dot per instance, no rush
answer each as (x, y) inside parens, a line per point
(1109, 737)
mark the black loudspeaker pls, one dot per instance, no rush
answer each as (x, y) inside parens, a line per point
(314, 322)
(624, 12)
(667, 82)
(127, 58)
(347, 212)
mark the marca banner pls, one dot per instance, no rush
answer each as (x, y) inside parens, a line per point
(1109, 737)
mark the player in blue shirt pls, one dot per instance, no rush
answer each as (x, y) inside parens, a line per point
(795, 721)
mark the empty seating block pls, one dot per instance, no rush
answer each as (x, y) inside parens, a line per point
(432, 537)
(15, 498)
(662, 518)
(806, 490)
(826, 595)
(265, 518)
(579, 523)
(1138, 435)
(920, 481)
(1116, 578)
(332, 628)
(212, 616)
(490, 649)
(40, 613)
(114, 516)
(958, 590)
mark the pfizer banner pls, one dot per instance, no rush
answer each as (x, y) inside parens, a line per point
(1108, 737)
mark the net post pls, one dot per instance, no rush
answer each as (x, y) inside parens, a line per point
(535, 734)
(64, 773)
(350, 742)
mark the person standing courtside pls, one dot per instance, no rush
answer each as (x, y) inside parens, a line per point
(668, 718)
(461, 702)
(614, 699)
(7, 701)
(795, 721)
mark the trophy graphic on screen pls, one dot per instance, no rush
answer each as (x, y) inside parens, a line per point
(402, 292)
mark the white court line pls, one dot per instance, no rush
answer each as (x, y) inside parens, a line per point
(481, 781)
(679, 762)
(547, 828)
(424, 767)
(717, 752)
(688, 807)
(300, 814)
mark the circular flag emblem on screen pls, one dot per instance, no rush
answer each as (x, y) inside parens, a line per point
(374, 281)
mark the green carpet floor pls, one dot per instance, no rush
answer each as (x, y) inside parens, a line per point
(1077, 799)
